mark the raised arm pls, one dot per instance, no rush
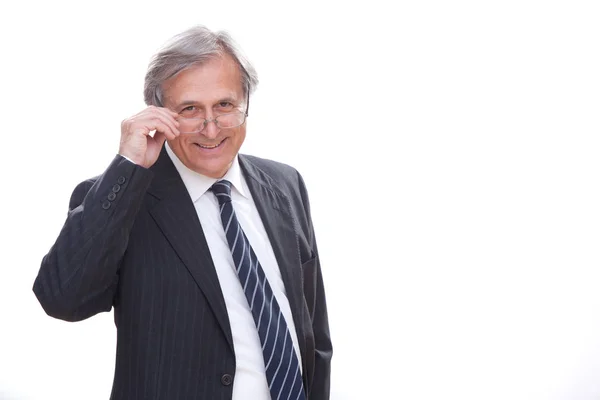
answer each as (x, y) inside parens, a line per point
(79, 275)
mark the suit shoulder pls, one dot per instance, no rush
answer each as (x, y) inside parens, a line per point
(81, 191)
(271, 167)
(285, 177)
(282, 175)
(286, 180)
(86, 184)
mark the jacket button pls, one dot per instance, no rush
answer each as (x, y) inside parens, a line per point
(106, 204)
(226, 379)
(116, 188)
(112, 196)
(121, 180)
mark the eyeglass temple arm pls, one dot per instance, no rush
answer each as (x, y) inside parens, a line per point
(247, 101)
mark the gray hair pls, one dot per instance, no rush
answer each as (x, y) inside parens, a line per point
(190, 48)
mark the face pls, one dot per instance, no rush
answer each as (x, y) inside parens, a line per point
(208, 90)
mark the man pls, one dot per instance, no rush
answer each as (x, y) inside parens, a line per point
(208, 256)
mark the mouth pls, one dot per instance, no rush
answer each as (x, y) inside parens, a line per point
(209, 146)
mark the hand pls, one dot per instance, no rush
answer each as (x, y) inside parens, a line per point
(136, 142)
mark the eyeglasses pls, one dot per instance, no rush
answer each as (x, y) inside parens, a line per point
(189, 125)
(223, 121)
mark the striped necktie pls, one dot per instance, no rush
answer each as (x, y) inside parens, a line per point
(281, 363)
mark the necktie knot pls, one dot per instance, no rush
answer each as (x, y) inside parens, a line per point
(222, 189)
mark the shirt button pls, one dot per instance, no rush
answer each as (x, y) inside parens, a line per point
(116, 188)
(226, 379)
(121, 180)
(112, 196)
(106, 204)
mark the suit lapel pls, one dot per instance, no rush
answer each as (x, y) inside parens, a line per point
(275, 212)
(177, 218)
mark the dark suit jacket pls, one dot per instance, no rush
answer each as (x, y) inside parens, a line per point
(133, 241)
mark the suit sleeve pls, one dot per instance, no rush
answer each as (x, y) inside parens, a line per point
(320, 322)
(78, 277)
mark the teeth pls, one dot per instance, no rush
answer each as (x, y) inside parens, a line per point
(209, 147)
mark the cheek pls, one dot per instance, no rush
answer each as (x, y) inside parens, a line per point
(239, 136)
(182, 146)
(183, 141)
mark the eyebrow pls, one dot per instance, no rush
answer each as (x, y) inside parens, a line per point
(186, 103)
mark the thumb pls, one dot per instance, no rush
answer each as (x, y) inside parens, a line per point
(154, 147)
(158, 139)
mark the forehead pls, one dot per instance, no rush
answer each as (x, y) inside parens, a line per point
(215, 79)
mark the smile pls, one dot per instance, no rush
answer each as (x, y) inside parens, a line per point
(210, 147)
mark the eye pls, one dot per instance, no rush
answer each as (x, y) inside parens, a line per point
(225, 105)
(189, 111)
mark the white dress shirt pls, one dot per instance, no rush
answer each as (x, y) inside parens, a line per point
(250, 381)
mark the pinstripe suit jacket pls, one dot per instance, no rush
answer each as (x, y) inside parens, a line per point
(132, 240)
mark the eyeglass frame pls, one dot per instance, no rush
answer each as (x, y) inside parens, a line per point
(208, 121)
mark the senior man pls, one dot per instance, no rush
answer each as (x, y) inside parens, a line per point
(207, 256)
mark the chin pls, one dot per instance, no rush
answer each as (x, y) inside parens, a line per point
(213, 170)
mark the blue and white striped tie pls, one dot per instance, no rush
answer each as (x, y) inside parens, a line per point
(281, 363)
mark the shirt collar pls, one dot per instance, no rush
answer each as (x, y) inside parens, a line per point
(197, 184)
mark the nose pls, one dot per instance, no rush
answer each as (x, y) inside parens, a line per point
(211, 130)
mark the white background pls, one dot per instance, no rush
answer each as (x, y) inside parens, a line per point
(450, 148)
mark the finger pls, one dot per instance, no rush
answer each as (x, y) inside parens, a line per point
(169, 111)
(157, 124)
(159, 138)
(166, 119)
(158, 121)
(152, 110)
(170, 116)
